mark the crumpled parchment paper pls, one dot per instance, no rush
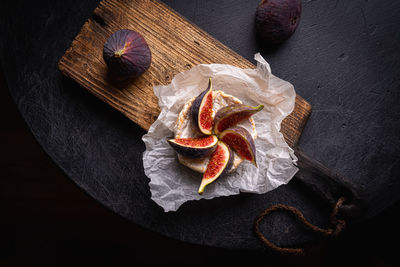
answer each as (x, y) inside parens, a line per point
(172, 184)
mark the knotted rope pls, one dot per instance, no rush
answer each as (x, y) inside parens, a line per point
(336, 226)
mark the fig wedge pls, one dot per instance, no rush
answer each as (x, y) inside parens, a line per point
(194, 147)
(231, 115)
(201, 110)
(241, 141)
(221, 162)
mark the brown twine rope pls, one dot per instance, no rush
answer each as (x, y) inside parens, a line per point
(336, 226)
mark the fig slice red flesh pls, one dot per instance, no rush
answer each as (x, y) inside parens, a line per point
(194, 147)
(221, 162)
(241, 141)
(201, 110)
(231, 115)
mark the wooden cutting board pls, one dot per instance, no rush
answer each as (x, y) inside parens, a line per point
(176, 45)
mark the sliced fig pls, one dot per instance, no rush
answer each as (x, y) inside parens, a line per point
(194, 147)
(221, 161)
(201, 110)
(231, 115)
(241, 141)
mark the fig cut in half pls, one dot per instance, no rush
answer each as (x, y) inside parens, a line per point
(194, 147)
(231, 115)
(221, 162)
(241, 141)
(201, 110)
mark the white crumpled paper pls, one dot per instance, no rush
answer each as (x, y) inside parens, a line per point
(172, 184)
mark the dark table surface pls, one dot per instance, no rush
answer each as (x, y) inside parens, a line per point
(45, 219)
(343, 59)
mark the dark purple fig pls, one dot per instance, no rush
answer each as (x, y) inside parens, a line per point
(194, 147)
(221, 162)
(126, 53)
(231, 115)
(201, 110)
(241, 141)
(276, 20)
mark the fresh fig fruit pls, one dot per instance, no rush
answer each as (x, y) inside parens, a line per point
(201, 110)
(241, 141)
(126, 53)
(276, 20)
(231, 115)
(221, 162)
(195, 147)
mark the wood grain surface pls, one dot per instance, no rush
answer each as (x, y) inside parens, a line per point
(176, 45)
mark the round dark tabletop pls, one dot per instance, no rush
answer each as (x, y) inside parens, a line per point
(343, 59)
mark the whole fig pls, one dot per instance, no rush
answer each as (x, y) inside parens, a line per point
(126, 52)
(276, 20)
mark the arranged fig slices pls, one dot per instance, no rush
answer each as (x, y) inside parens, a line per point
(201, 110)
(220, 162)
(231, 115)
(224, 144)
(241, 141)
(194, 147)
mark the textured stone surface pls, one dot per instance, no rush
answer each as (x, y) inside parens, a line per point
(343, 59)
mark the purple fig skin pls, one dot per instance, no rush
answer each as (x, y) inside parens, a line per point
(277, 20)
(227, 169)
(127, 53)
(228, 166)
(246, 136)
(234, 111)
(195, 108)
(194, 152)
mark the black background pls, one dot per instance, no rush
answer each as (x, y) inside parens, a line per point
(46, 218)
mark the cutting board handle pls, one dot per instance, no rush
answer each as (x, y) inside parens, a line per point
(330, 185)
